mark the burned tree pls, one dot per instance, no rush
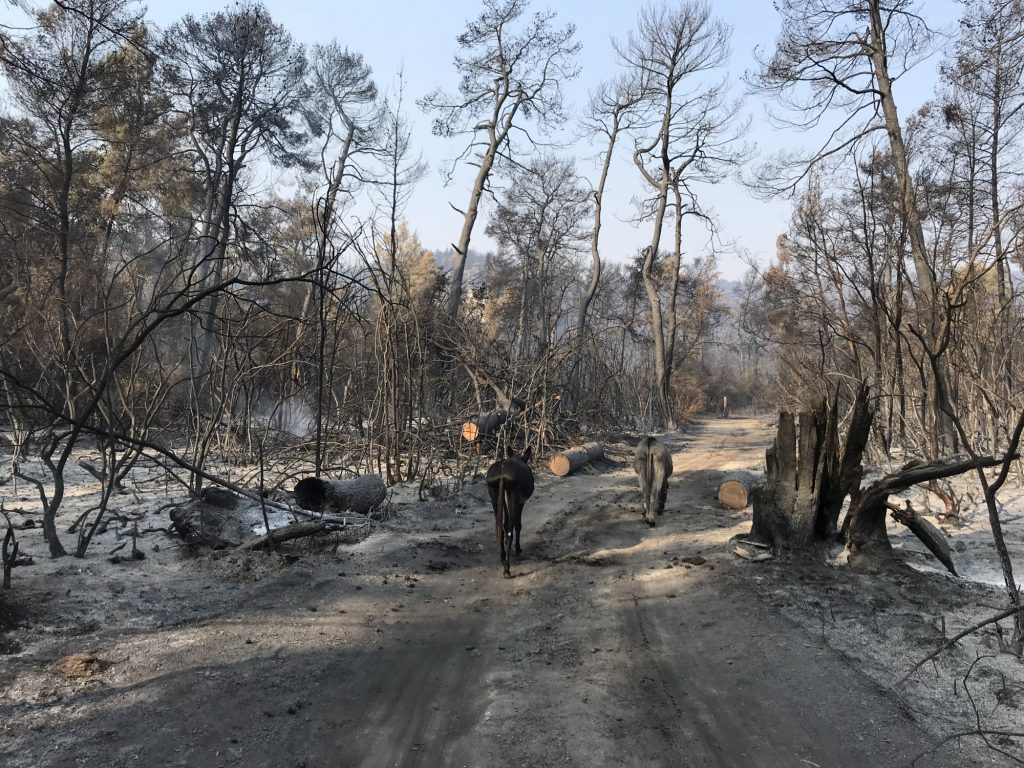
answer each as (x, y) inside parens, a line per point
(509, 73)
(808, 479)
(684, 132)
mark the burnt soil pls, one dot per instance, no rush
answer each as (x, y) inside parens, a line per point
(614, 644)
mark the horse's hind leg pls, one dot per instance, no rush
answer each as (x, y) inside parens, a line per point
(499, 539)
(518, 520)
(662, 494)
(644, 492)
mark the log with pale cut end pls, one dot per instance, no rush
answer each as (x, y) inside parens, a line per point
(354, 494)
(483, 426)
(565, 463)
(734, 490)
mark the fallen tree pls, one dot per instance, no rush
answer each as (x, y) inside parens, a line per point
(354, 494)
(865, 535)
(297, 531)
(925, 531)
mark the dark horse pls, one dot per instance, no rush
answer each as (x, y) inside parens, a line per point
(653, 467)
(510, 483)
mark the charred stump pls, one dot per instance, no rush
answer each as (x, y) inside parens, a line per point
(778, 518)
(808, 480)
(807, 477)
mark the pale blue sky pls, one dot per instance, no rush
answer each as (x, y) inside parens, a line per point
(419, 37)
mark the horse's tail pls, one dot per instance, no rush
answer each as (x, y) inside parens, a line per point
(503, 513)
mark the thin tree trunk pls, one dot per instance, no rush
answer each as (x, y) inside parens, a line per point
(496, 136)
(661, 185)
(944, 440)
(595, 256)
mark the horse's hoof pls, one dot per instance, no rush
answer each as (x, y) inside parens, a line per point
(507, 575)
(650, 523)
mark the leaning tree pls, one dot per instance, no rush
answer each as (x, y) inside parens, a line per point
(511, 74)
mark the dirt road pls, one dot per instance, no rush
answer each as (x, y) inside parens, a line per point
(607, 648)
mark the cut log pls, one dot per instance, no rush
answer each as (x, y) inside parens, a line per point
(484, 426)
(734, 490)
(355, 494)
(565, 463)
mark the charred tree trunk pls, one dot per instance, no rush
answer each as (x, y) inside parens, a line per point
(807, 478)
(842, 476)
(867, 540)
(292, 532)
(356, 494)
